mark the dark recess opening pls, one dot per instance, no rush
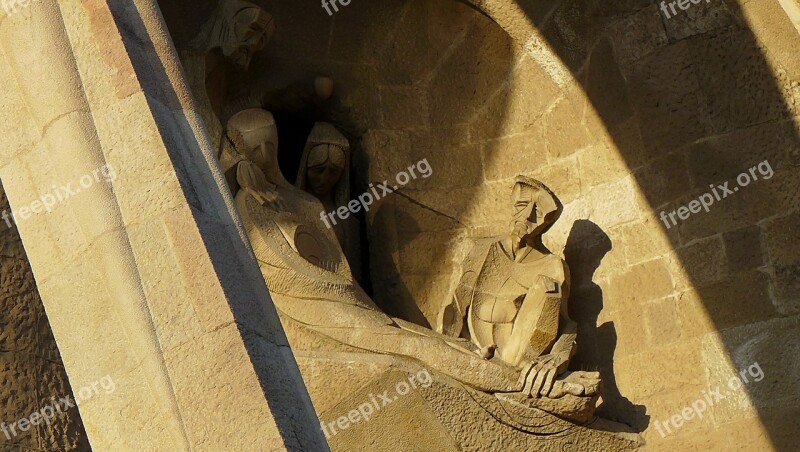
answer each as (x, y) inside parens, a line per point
(293, 130)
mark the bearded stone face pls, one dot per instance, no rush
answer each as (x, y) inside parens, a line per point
(531, 206)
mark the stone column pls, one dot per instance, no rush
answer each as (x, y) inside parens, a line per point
(143, 267)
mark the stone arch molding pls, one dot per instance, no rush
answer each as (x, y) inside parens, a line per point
(513, 19)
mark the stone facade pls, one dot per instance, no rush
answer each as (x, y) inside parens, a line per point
(625, 114)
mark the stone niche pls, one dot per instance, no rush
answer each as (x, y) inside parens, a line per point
(413, 81)
(598, 100)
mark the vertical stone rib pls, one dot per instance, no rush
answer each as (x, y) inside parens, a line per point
(48, 78)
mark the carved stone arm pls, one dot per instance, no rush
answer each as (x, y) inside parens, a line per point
(536, 324)
(566, 345)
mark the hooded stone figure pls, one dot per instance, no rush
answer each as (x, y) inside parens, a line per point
(238, 29)
(325, 173)
(234, 33)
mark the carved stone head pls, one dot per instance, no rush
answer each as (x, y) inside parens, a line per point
(324, 167)
(325, 163)
(255, 136)
(239, 29)
(534, 208)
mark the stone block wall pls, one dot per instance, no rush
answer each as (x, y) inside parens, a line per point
(624, 114)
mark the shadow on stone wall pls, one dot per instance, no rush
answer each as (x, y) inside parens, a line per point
(692, 101)
(586, 247)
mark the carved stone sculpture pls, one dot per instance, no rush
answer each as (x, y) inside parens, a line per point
(316, 295)
(513, 295)
(325, 173)
(236, 31)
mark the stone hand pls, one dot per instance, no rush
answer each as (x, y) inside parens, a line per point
(274, 200)
(579, 384)
(270, 198)
(542, 375)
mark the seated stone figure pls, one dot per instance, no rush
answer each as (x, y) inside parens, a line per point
(513, 294)
(320, 304)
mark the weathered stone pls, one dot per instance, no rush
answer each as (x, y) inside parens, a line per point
(606, 88)
(403, 420)
(563, 134)
(782, 245)
(772, 23)
(662, 322)
(565, 176)
(664, 180)
(739, 300)
(680, 361)
(506, 157)
(630, 326)
(760, 359)
(637, 35)
(521, 101)
(704, 261)
(30, 364)
(700, 17)
(475, 83)
(738, 86)
(666, 93)
(570, 32)
(623, 112)
(642, 241)
(641, 283)
(723, 157)
(615, 203)
(364, 33)
(404, 107)
(600, 164)
(743, 248)
(694, 317)
(383, 164)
